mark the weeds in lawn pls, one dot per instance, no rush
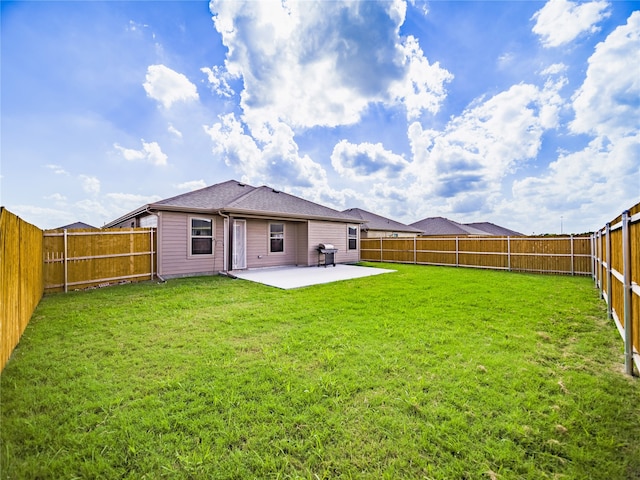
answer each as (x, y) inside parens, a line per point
(425, 373)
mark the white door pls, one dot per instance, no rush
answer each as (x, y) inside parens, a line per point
(239, 252)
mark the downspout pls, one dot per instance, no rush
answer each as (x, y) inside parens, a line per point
(225, 241)
(157, 274)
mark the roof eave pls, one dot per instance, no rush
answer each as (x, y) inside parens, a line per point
(293, 216)
(127, 216)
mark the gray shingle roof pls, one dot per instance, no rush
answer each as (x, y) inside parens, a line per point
(77, 225)
(444, 226)
(214, 197)
(493, 229)
(377, 222)
(271, 201)
(235, 197)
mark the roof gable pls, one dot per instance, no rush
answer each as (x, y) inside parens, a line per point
(378, 222)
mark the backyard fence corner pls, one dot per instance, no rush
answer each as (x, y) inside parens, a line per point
(21, 279)
(616, 272)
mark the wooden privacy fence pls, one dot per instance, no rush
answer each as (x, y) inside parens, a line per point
(87, 258)
(21, 279)
(560, 255)
(617, 274)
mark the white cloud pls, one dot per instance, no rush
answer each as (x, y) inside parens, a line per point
(192, 185)
(168, 86)
(422, 88)
(150, 153)
(56, 197)
(120, 203)
(423, 5)
(271, 156)
(173, 130)
(218, 77)
(90, 184)
(464, 165)
(57, 169)
(554, 69)
(92, 208)
(608, 169)
(323, 63)
(561, 21)
(607, 103)
(43, 217)
(367, 161)
(589, 186)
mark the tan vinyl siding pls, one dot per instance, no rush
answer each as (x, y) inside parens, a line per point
(302, 243)
(330, 232)
(258, 254)
(173, 251)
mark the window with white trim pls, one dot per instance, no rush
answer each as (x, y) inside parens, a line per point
(201, 236)
(276, 237)
(352, 237)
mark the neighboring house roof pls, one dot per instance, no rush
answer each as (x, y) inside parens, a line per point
(444, 226)
(371, 221)
(75, 225)
(494, 229)
(237, 198)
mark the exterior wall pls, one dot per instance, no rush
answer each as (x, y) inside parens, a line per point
(173, 246)
(258, 254)
(303, 242)
(386, 234)
(335, 233)
(131, 223)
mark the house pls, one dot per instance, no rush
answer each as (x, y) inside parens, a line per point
(444, 226)
(77, 225)
(376, 226)
(234, 226)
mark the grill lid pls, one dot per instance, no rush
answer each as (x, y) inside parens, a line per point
(326, 246)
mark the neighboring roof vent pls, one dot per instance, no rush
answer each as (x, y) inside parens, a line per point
(275, 191)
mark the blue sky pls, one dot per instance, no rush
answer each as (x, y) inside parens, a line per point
(524, 114)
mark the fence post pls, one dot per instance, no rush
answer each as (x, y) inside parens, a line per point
(593, 257)
(599, 250)
(151, 250)
(572, 268)
(380, 248)
(66, 278)
(509, 253)
(626, 274)
(609, 279)
(457, 249)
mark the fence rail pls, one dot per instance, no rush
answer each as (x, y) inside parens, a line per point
(21, 279)
(559, 255)
(616, 267)
(87, 258)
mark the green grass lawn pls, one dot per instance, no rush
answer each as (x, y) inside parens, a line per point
(429, 372)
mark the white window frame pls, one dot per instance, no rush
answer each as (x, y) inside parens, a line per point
(191, 236)
(284, 230)
(349, 236)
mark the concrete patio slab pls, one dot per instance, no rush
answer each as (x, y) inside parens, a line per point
(296, 277)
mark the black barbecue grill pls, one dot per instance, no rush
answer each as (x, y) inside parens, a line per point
(329, 252)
